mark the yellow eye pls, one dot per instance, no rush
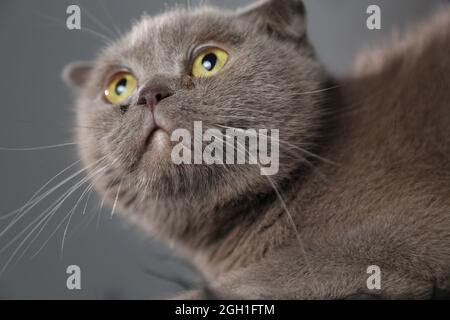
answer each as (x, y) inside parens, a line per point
(120, 87)
(209, 62)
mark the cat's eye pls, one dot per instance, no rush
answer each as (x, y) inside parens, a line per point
(209, 62)
(120, 87)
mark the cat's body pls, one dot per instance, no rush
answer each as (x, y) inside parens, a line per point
(378, 193)
(386, 202)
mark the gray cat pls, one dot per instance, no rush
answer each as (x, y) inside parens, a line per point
(364, 174)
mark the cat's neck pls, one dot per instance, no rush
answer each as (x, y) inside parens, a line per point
(239, 232)
(244, 229)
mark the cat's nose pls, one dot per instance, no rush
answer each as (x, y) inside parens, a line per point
(151, 95)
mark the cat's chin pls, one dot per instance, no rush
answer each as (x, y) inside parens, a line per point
(157, 148)
(158, 140)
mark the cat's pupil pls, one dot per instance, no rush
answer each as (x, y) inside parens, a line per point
(120, 87)
(209, 61)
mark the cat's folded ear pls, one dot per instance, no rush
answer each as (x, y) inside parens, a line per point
(284, 18)
(76, 74)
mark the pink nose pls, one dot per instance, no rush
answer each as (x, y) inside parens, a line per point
(151, 95)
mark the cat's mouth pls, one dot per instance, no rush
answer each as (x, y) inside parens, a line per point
(158, 135)
(156, 144)
(159, 132)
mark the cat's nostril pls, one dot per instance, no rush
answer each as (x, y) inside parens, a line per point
(151, 95)
(142, 100)
(159, 97)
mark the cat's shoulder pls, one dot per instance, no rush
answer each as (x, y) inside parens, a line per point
(428, 41)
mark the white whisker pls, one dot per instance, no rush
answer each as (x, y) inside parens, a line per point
(96, 20)
(55, 146)
(62, 24)
(45, 219)
(50, 212)
(71, 212)
(37, 200)
(79, 225)
(313, 155)
(87, 200)
(112, 21)
(42, 220)
(290, 217)
(37, 192)
(320, 90)
(115, 201)
(283, 203)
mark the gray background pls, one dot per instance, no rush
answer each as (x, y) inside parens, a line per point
(116, 260)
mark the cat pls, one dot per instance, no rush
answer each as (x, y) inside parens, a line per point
(364, 174)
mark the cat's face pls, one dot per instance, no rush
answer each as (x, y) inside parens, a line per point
(265, 80)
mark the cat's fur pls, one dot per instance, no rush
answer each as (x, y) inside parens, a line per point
(385, 199)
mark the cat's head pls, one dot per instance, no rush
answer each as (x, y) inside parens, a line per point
(249, 69)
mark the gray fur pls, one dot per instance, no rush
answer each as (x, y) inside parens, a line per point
(384, 200)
